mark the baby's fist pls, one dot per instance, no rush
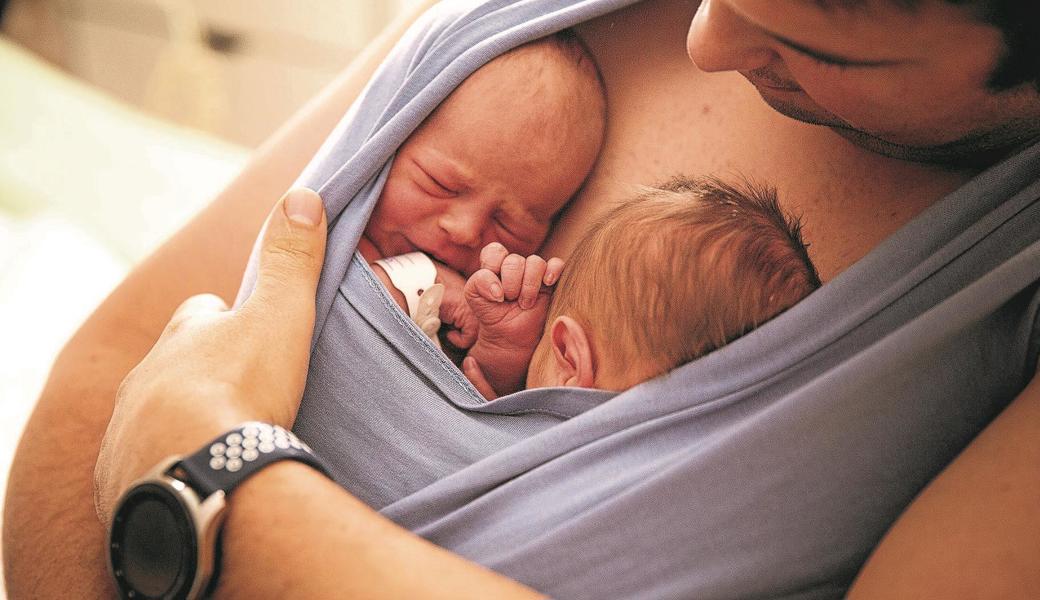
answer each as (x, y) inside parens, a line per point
(509, 296)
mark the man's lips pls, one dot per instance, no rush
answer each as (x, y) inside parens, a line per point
(775, 88)
(770, 83)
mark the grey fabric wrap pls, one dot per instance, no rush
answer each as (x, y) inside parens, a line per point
(769, 468)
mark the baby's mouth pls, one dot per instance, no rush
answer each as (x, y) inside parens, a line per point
(459, 263)
(438, 258)
(413, 247)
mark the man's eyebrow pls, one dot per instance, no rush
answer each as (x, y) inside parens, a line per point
(828, 57)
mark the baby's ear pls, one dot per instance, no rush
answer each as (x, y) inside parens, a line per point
(572, 354)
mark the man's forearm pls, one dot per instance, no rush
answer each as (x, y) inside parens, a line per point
(51, 534)
(52, 542)
(292, 533)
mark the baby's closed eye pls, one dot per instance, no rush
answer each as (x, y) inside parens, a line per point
(433, 186)
(520, 235)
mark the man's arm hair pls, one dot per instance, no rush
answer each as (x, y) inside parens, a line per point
(52, 541)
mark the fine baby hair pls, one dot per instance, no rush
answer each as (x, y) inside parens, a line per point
(681, 270)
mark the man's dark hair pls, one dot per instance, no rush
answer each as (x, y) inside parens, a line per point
(1018, 21)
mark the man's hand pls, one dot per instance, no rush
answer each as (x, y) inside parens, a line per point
(212, 368)
(509, 296)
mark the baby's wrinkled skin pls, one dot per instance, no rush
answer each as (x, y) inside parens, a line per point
(493, 165)
(509, 298)
(498, 314)
(495, 162)
(460, 326)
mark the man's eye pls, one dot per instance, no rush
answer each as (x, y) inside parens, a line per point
(831, 64)
(840, 63)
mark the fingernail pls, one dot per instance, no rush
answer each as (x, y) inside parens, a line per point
(496, 293)
(549, 278)
(303, 207)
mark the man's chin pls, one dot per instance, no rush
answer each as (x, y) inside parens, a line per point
(862, 139)
(970, 152)
(801, 113)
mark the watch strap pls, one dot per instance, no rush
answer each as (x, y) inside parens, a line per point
(230, 458)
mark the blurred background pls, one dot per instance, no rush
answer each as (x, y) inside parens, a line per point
(233, 68)
(119, 119)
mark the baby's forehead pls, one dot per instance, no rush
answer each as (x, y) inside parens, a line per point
(510, 89)
(554, 77)
(528, 125)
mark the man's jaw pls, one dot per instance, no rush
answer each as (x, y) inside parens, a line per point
(969, 152)
(972, 153)
(789, 99)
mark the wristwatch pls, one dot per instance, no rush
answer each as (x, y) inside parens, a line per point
(163, 541)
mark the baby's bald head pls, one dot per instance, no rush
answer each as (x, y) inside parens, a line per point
(547, 108)
(498, 159)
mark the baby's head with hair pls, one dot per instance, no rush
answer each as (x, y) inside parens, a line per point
(497, 160)
(667, 277)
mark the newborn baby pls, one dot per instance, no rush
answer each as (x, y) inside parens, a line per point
(496, 162)
(665, 278)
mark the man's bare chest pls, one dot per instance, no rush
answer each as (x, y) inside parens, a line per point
(667, 118)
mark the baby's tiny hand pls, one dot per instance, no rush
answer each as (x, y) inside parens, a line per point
(521, 279)
(455, 312)
(471, 369)
(509, 296)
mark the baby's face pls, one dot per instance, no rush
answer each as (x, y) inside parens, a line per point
(479, 170)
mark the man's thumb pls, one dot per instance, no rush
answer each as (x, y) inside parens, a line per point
(292, 250)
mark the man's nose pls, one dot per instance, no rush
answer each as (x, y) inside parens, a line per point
(721, 40)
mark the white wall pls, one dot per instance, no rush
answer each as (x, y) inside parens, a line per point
(235, 68)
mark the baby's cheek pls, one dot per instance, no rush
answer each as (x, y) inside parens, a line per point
(524, 246)
(397, 205)
(472, 262)
(386, 213)
(534, 242)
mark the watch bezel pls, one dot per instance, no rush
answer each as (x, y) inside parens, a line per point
(203, 515)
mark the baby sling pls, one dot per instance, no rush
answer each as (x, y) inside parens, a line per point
(769, 468)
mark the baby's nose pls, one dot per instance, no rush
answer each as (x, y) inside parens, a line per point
(463, 230)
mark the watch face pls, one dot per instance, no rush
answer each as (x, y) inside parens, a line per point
(153, 545)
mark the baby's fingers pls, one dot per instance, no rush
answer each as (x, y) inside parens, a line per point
(492, 255)
(484, 285)
(473, 372)
(462, 338)
(553, 270)
(512, 274)
(534, 272)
